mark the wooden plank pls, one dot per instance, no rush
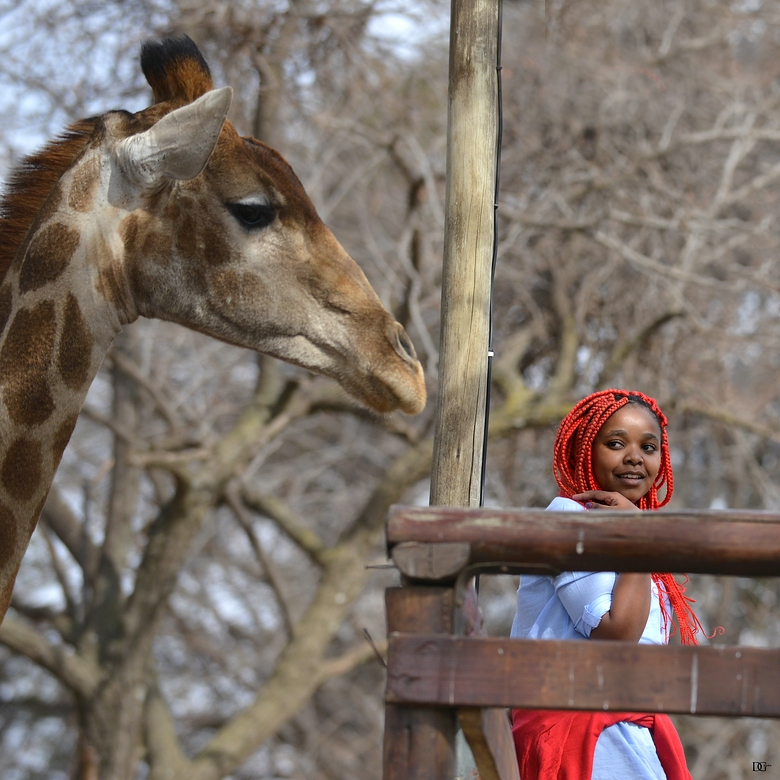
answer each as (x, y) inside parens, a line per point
(419, 742)
(468, 253)
(587, 675)
(419, 610)
(433, 562)
(735, 543)
(489, 735)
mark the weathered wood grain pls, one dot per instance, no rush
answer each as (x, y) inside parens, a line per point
(712, 542)
(432, 562)
(419, 610)
(468, 254)
(551, 674)
(419, 742)
(489, 735)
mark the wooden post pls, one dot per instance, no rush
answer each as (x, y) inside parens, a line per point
(468, 254)
(419, 741)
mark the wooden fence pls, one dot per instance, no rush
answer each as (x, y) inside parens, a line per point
(441, 671)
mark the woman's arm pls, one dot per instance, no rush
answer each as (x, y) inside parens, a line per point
(627, 618)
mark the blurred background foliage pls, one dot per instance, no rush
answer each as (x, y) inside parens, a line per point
(638, 233)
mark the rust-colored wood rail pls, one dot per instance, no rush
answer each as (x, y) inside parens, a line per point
(550, 674)
(436, 542)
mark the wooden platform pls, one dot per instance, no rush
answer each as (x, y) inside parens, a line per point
(441, 672)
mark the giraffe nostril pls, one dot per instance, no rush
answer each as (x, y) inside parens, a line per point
(403, 344)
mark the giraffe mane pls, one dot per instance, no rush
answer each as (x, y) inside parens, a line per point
(32, 182)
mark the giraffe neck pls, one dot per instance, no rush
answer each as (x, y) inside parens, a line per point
(62, 302)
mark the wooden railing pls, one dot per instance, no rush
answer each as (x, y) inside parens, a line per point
(441, 671)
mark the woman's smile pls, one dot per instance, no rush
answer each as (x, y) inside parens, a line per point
(627, 452)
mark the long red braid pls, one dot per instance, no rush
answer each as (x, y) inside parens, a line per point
(573, 469)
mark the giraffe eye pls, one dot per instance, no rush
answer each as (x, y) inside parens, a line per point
(253, 216)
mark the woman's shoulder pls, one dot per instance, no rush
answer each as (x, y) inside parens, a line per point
(561, 504)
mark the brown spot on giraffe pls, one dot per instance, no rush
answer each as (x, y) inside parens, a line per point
(9, 535)
(47, 257)
(82, 188)
(5, 596)
(20, 473)
(187, 234)
(6, 299)
(76, 342)
(33, 193)
(240, 289)
(36, 515)
(62, 437)
(24, 365)
(50, 206)
(144, 240)
(215, 242)
(111, 281)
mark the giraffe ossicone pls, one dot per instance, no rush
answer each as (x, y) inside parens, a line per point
(167, 213)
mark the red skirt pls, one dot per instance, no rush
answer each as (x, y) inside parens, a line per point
(559, 744)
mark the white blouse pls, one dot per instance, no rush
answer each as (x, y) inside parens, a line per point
(572, 604)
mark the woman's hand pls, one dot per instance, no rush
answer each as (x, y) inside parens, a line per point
(605, 499)
(631, 597)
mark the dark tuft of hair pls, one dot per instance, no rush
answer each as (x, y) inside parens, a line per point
(175, 69)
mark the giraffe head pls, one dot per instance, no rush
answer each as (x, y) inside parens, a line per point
(218, 234)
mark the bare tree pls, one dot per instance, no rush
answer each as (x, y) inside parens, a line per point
(203, 552)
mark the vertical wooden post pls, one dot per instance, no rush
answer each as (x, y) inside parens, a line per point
(468, 254)
(419, 741)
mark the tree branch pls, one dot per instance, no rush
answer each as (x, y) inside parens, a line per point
(277, 510)
(563, 376)
(623, 348)
(729, 418)
(163, 750)
(60, 518)
(233, 498)
(69, 668)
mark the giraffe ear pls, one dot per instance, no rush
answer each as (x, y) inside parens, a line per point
(179, 145)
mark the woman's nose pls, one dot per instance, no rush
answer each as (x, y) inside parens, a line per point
(632, 455)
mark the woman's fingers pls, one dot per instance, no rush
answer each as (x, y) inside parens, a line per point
(604, 499)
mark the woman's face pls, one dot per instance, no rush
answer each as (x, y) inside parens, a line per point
(627, 452)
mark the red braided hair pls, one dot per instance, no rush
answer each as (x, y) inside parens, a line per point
(573, 470)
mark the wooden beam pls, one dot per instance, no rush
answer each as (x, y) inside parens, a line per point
(489, 735)
(714, 542)
(431, 562)
(419, 610)
(419, 742)
(468, 253)
(552, 674)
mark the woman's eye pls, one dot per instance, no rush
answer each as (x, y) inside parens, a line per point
(253, 216)
(614, 445)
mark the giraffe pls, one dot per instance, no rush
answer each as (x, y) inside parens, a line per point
(167, 213)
